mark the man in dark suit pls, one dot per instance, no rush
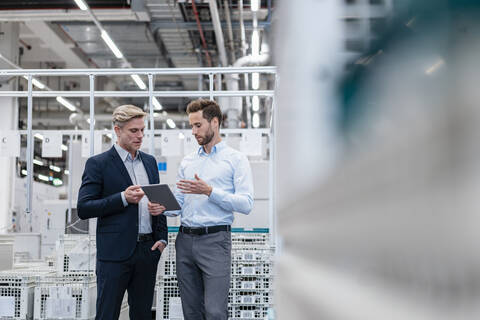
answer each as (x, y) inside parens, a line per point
(130, 239)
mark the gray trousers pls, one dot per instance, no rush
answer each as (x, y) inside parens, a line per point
(203, 272)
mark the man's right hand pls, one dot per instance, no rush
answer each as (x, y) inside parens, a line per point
(133, 194)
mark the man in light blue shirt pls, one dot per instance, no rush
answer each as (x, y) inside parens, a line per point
(212, 184)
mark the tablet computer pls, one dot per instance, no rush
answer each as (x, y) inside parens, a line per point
(161, 193)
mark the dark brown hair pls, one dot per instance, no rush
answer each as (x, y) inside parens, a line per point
(209, 107)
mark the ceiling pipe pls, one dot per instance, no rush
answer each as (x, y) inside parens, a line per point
(242, 28)
(230, 31)
(202, 37)
(232, 106)
(217, 27)
(260, 60)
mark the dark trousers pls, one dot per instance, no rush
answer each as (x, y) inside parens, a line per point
(137, 275)
(203, 272)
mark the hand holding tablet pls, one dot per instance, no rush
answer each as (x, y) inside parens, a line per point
(161, 193)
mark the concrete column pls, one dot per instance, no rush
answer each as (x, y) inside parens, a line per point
(9, 32)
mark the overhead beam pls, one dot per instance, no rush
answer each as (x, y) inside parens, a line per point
(44, 31)
(206, 26)
(169, 25)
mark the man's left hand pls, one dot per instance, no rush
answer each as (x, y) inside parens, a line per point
(159, 245)
(155, 209)
(197, 186)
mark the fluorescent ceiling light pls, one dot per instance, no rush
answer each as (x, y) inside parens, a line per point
(57, 182)
(37, 162)
(66, 103)
(36, 83)
(42, 177)
(171, 123)
(139, 81)
(111, 44)
(81, 4)
(64, 147)
(38, 136)
(55, 168)
(255, 104)
(255, 80)
(156, 104)
(254, 5)
(24, 171)
(255, 43)
(66, 172)
(256, 120)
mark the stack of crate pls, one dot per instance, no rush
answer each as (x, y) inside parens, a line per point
(17, 292)
(71, 293)
(251, 290)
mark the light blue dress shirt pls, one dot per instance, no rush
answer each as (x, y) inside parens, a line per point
(229, 174)
(138, 174)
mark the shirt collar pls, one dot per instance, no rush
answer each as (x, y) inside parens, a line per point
(216, 148)
(124, 154)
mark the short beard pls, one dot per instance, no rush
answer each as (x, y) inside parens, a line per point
(208, 137)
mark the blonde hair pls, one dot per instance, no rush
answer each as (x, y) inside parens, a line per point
(125, 113)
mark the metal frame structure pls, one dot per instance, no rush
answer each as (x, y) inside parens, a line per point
(150, 93)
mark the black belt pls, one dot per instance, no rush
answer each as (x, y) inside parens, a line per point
(142, 237)
(204, 230)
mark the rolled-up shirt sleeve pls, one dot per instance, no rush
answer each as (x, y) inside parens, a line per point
(242, 199)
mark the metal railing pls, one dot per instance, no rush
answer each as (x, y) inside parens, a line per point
(150, 93)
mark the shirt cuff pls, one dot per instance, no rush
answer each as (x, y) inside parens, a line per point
(217, 195)
(124, 200)
(172, 213)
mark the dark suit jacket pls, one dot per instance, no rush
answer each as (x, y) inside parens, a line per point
(104, 178)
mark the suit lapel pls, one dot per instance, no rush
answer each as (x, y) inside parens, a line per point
(120, 165)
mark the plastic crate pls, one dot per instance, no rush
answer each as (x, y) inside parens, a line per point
(251, 289)
(17, 291)
(250, 239)
(251, 284)
(248, 270)
(245, 298)
(67, 298)
(262, 253)
(43, 266)
(168, 298)
(247, 312)
(76, 255)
